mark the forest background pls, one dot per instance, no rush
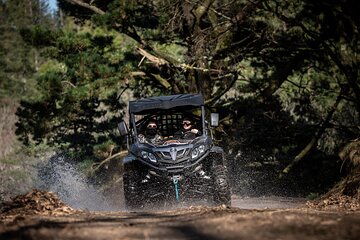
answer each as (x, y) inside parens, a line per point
(283, 75)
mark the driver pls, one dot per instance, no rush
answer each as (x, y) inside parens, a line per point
(188, 131)
(151, 133)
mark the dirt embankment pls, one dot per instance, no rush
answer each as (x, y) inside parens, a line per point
(41, 215)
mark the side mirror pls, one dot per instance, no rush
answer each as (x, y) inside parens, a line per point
(214, 119)
(123, 129)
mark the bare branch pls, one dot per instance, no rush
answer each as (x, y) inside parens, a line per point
(202, 9)
(138, 73)
(152, 58)
(87, 5)
(162, 81)
(188, 67)
(69, 83)
(98, 166)
(221, 91)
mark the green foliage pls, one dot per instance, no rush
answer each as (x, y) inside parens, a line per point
(19, 58)
(103, 150)
(77, 89)
(272, 69)
(84, 166)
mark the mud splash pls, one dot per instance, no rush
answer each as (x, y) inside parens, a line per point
(61, 176)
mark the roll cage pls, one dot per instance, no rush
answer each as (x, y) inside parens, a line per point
(168, 111)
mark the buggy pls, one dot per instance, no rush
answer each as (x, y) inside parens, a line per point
(173, 169)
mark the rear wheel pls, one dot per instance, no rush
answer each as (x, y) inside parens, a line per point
(222, 194)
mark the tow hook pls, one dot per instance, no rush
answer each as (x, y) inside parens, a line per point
(176, 179)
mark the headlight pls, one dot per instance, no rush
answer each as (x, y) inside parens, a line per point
(150, 156)
(144, 154)
(201, 149)
(197, 151)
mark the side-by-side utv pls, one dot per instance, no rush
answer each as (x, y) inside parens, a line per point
(173, 168)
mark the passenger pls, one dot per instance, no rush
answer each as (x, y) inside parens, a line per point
(188, 131)
(151, 133)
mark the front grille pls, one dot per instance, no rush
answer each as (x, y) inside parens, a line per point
(165, 155)
(173, 154)
(179, 154)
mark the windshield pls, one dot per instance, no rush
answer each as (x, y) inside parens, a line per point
(165, 127)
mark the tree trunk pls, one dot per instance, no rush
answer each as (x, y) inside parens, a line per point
(313, 141)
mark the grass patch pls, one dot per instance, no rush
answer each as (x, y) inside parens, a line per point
(85, 166)
(18, 174)
(12, 158)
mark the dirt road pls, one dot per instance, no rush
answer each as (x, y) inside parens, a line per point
(267, 221)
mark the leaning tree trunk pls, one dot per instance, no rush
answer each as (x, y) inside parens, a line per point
(316, 137)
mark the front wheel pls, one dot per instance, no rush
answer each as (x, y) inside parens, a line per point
(132, 191)
(222, 194)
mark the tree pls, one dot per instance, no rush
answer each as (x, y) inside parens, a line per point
(200, 32)
(334, 70)
(19, 60)
(276, 67)
(77, 106)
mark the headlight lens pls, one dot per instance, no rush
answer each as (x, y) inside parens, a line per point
(198, 151)
(150, 156)
(144, 154)
(195, 153)
(201, 149)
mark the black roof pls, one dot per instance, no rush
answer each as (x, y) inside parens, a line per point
(165, 102)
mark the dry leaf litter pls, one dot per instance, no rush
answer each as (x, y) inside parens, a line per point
(35, 202)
